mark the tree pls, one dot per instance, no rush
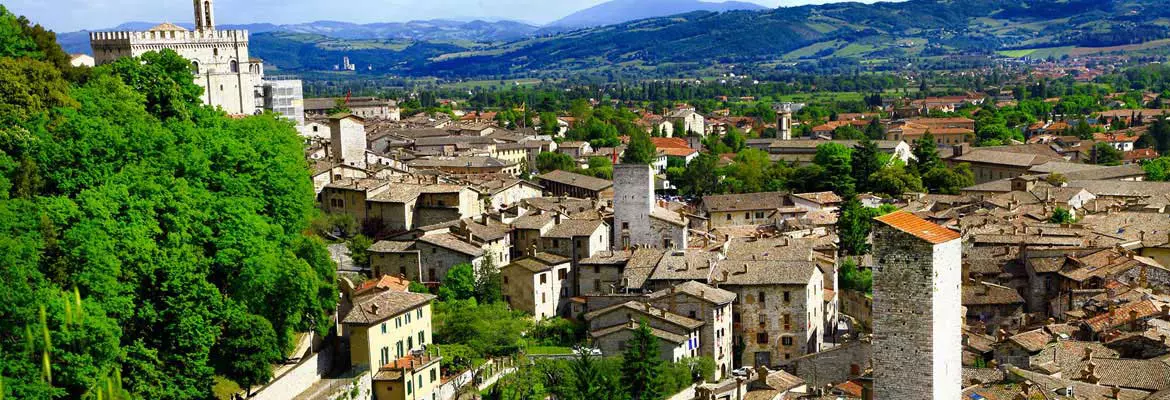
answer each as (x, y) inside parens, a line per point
(459, 284)
(359, 250)
(549, 124)
(1061, 216)
(864, 163)
(1106, 154)
(547, 162)
(339, 107)
(853, 228)
(641, 364)
(926, 154)
(895, 181)
(848, 132)
(837, 161)
(488, 282)
(943, 180)
(246, 352)
(875, 130)
(734, 140)
(854, 279)
(700, 178)
(1158, 169)
(640, 150)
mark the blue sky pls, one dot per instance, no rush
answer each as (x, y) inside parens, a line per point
(73, 15)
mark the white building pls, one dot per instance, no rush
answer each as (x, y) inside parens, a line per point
(230, 79)
(917, 308)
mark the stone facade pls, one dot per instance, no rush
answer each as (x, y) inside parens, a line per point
(715, 336)
(537, 285)
(787, 323)
(633, 200)
(917, 310)
(219, 58)
(347, 139)
(839, 364)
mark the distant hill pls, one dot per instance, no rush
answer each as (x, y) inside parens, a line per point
(619, 11)
(433, 30)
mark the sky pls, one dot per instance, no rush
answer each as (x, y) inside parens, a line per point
(74, 15)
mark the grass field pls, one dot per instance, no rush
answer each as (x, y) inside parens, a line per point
(548, 350)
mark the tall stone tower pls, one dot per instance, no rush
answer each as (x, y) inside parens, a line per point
(633, 200)
(204, 15)
(917, 309)
(784, 121)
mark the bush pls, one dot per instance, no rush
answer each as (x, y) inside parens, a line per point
(558, 332)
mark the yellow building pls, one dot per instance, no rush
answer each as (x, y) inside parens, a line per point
(389, 329)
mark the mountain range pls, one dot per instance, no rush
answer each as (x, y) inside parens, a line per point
(619, 11)
(891, 33)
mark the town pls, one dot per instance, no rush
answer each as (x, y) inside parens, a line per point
(1004, 242)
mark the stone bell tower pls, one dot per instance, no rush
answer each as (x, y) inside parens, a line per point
(204, 15)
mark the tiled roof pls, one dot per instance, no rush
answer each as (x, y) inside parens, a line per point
(661, 334)
(532, 221)
(386, 282)
(697, 290)
(920, 228)
(387, 246)
(1033, 341)
(377, 307)
(167, 27)
(749, 273)
(1122, 315)
(1084, 391)
(577, 180)
(820, 197)
(574, 228)
(668, 216)
(685, 265)
(539, 262)
(1149, 375)
(1002, 158)
(983, 293)
(451, 242)
(645, 309)
(745, 201)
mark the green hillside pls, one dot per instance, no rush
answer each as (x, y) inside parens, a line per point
(876, 33)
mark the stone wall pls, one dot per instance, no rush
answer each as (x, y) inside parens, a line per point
(297, 380)
(859, 306)
(633, 200)
(833, 366)
(768, 317)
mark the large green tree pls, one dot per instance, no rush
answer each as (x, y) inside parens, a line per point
(837, 160)
(641, 364)
(640, 150)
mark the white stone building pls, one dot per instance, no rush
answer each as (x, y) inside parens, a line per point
(917, 308)
(230, 79)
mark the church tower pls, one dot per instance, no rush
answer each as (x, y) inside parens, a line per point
(204, 15)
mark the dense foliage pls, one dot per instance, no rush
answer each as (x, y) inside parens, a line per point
(147, 239)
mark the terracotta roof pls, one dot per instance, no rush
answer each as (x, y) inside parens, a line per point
(670, 143)
(983, 293)
(387, 282)
(374, 308)
(1121, 315)
(820, 197)
(920, 228)
(1033, 341)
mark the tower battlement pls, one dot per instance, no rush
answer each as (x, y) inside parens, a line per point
(170, 37)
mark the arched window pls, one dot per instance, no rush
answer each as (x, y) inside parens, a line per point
(215, 52)
(195, 65)
(235, 66)
(207, 14)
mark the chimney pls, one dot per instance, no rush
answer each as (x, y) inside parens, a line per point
(1115, 392)
(1088, 354)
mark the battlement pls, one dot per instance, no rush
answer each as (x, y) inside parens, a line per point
(164, 37)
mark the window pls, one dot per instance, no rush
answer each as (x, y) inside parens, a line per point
(410, 342)
(401, 351)
(505, 280)
(787, 322)
(759, 214)
(215, 52)
(762, 338)
(195, 65)
(433, 374)
(787, 297)
(762, 298)
(385, 356)
(729, 217)
(410, 386)
(418, 313)
(543, 298)
(383, 327)
(422, 339)
(625, 226)
(408, 318)
(597, 269)
(563, 274)
(786, 341)
(747, 215)
(234, 66)
(597, 285)
(692, 314)
(543, 279)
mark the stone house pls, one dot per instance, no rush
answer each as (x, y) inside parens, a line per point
(994, 306)
(779, 309)
(576, 240)
(388, 331)
(575, 149)
(692, 122)
(1019, 349)
(612, 327)
(602, 273)
(466, 165)
(712, 306)
(501, 191)
(538, 285)
(406, 206)
(638, 218)
(528, 231)
(748, 209)
(348, 196)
